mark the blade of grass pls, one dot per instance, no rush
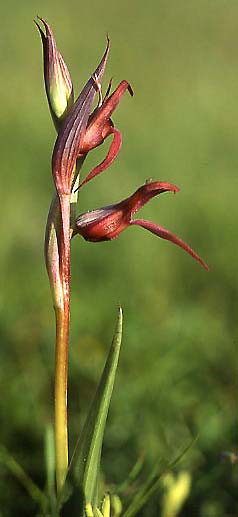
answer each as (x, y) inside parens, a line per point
(132, 476)
(153, 483)
(19, 473)
(85, 463)
(90, 442)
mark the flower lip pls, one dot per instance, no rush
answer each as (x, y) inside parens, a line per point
(108, 222)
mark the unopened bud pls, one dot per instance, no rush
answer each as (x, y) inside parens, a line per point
(58, 84)
(116, 505)
(106, 506)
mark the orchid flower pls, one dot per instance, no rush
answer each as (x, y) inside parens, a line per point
(78, 131)
(68, 143)
(65, 170)
(100, 126)
(108, 222)
(82, 132)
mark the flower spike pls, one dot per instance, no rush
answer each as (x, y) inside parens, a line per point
(108, 222)
(67, 145)
(58, 84)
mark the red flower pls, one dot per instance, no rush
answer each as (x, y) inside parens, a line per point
(67, 145)
(78, 131)
(108, 222)
(100, 126)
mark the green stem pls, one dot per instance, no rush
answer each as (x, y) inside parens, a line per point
(61, 381)
(57, 257)
(61, 356)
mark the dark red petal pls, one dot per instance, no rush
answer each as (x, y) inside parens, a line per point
(103, 224)
(165, 234)
(147, 192)
(111, 156)
(109, 104)
(67, 144)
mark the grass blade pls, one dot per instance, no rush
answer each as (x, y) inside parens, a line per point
(85, 463)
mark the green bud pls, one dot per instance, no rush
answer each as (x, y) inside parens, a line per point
(58, 84)
(106, 506)
(116, 505)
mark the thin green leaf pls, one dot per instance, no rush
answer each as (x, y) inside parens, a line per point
(85, 463)
(19, 473)
(146, 491)
(90, 442)
(132, 476)
(184, 451)
(153, 483)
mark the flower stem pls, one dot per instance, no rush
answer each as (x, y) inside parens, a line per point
(61, 374)
(57, 258)
(61, 356)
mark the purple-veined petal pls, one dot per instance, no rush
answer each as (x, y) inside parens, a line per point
(166, 234)
(111, 156)
(67, 145)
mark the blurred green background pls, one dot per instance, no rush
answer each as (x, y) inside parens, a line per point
(178, 373)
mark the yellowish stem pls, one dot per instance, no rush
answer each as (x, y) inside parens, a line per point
(57, 255)
(61, 369)
(61, 356)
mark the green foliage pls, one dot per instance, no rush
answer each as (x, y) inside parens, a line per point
(88, 452)
(84, 469)
(178, 371)
(10, 464)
